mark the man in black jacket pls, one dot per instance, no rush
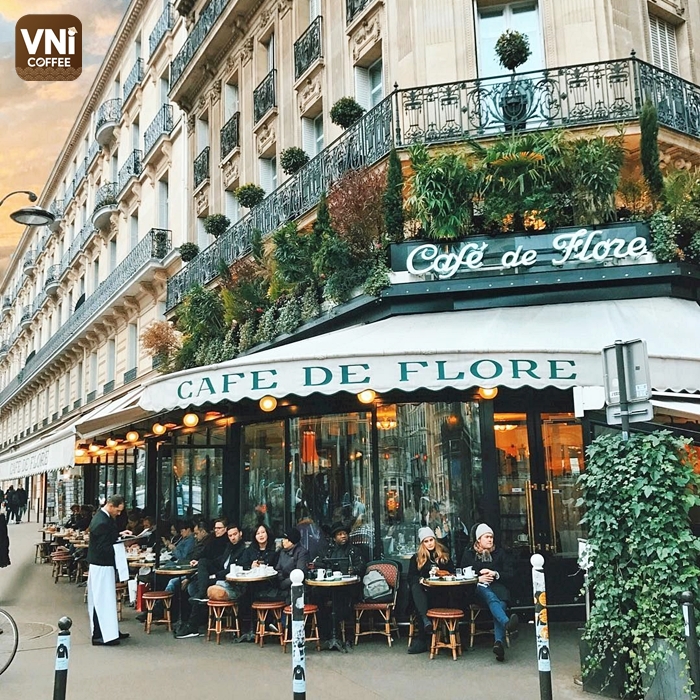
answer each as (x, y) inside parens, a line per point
(102, 595)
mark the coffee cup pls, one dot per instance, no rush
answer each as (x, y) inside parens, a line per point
(337, 575)
(320, 574)
(469, 572)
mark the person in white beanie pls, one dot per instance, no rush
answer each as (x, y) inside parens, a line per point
(493, 567)
(431, 554)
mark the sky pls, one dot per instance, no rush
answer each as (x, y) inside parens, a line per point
(36, 117)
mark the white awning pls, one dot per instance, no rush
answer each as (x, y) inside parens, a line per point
(679, 409)
(55, 450)
(557, 345)
(113, 415)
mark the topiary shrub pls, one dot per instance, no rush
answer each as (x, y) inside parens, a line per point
(216, 224)
(346, 111)
(512, 49)
(293, 159)
(247, 336)
(664, 238)
(267, 328)
(249, 195)
(310, 308)
(290, 316)
(188, 251)
(393, 199)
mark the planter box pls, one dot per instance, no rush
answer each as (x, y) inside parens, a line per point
(596, 682)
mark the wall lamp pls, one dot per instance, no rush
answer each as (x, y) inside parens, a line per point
(268, 404)
(30, 216)
(367, 396)
(488, 393)
(190, 420)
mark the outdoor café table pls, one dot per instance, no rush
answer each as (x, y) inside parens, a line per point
(334, 584)
(172, 570)
(251, 576)
(437, 582)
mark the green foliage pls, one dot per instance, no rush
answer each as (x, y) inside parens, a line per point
(664, 237)
(346, 111)
(681, 201)
(693, 249)
(310, 308)
(443, 188)
(202, 315)
(329, 253)
(216, 224)
(649, 149)
(249, 195)
(393, 199)
(247, 335)
(267, 328)
(637, 496)
(293, 255)
(188, 251)
(512, 49)
(633, 195)
(247, 295)
(293, 159)
(289, 316)
(377, 279)
(340, 284)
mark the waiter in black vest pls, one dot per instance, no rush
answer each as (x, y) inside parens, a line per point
(102, 594)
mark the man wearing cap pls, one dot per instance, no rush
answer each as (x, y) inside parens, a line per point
(293, 556)
(493, 567)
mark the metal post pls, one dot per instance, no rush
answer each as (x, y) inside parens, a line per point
(622, 386)
(62, 654)
(298, 636)
(691, 641)
(541, 626)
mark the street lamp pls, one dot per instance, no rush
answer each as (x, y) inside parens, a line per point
(30, 216)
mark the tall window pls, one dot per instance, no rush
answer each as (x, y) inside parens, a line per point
(369, 84)
(268, 174)
(135, 136)
(202, 133)
(95, 274)
(114, 168)
(112, 254)
(133, 230)
(163, 217)
(79, 382)
(164, 87)
(230, 100)
(314, 9)
(270, 47)
(132, 346)
(111, 359)
(312, 134)
(664, 53)
(93, 371)
(232, 206)
(66, 390)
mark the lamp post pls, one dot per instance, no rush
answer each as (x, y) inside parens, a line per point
(30, 216)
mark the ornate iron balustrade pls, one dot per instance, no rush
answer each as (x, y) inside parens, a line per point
(109, 386)
(80, 172)
(130, 375)
(29, 262)
(154, 246)
(133, 79)
(68, 194)
(38, 303)
(366, 142)
(264, 98)
(162, 124)
(56, 208)
(229, 135)
(195, 39)
(26, 316)
(78, 402)
(353, 8)
(6, 303)
(52, 274)
(109, 111)
(94, 149)
(165, 23)
(132, 168)
(308, 48)
(106, 195)
(92, 395)
(77, 244)
(4, 349)
(201, 167)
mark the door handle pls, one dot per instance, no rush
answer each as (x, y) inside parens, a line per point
(529, 515)
(552, 521)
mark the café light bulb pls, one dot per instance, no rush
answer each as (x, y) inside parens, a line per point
(158, 429)
(132, 436)
(488, 393)
(111, 442)
(80, 452)
(94, 447)
(268, 403)
(190, 419)
(367, 396)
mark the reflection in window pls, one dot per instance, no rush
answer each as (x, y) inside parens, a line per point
(196, 472)
(430, 473)
(262, 476)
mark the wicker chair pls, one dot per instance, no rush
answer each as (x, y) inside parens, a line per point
(387, 625)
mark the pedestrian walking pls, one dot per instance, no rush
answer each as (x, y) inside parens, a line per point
(4, 543)
(21, 496)
(11, 504)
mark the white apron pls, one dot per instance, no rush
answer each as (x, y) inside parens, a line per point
(102, 598)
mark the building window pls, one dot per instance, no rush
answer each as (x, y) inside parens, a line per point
(231, 207)
(111, 359)
(133, 230)
(268, 174)
(493, 21)
(270, 48)
(202, 235)
(202, 133)
(163, 197)
(135, 136)
(112, 254)
(314, 9)
(664, 52)
(369, 84)
(95, 274)
(230, 100)
(312, 135)
(132, 346)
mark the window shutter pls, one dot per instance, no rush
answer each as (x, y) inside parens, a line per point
(314, 9)
(362, 88)
(664, 52)
(232, 211)
(308, 136)
(267, 175)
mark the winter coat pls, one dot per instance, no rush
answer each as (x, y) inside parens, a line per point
(253, 553)
(500, 562)
(415, 574)
(4, 543)
(296, 557)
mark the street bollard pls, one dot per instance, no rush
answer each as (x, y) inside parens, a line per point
(298, 638)
(62, 654)
(541, 626)
(691, 641)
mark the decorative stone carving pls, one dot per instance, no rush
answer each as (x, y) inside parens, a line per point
(309, 92)
(215, 92)
(230, 170)
(201, 201)
(266, 136)
(366, 35)
(265, 17)
(285, 6)
(246, 52)
(231, 62)
(190, 124)
(671, 158)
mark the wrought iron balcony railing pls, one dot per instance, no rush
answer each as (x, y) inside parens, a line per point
(77, 244)
(195, 39)
(26, 316)
(154, 246)
(29, 262)
(68, 194)
(201, 167)
(165, 23)
(109, 111)
(132, 168)
(106, 195)
(91, 396)
(38, 303)
(130, 375)
(229, 135)
(353, 8)
(94, 149)
(109, 386)
(6, 303)
(133, 79)
(308, 48)
(597, 93)
(52, 275)
(80, 172)
(56, 208)
(162, 124)
(264, 98)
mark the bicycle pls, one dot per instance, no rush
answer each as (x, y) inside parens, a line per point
(9, 639)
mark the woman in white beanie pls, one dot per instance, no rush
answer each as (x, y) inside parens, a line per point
(430, 554)
(493, 567)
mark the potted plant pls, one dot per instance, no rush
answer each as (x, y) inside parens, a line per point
(293, 159)
(188, 251)
(249, 195)
(513, 50)
(216, 224)
(346, 111)
(637, 495)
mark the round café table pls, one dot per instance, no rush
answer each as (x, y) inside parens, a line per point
(448, 581)
(334, 584)
(172, 571)
(249, 577)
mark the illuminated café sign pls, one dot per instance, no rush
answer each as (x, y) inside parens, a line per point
(502, 254)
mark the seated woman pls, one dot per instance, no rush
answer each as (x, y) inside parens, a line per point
(261, 551)
(493, 567)
(431, 554)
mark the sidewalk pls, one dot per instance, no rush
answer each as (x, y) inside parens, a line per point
(158, 666)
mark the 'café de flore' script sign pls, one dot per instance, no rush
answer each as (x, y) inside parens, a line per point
(501, 255)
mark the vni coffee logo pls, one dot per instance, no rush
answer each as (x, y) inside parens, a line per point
(48, 47)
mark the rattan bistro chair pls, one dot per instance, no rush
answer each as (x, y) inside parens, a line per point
(387, 625)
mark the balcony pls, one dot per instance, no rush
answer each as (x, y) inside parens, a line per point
(38, 303)
(105, 204)
(130, 169)
(93, 151)
(201, 167)
(164, 24)
(108, 116)
(264, 98)
(56, 208)
(68, 194)
(139, 266)
(29, 263)
(133, 79)
(80, 173)
(26, 318)
(353, 8)
(6, 305)
(130, 375)
(4, 349)
(53, 279)
(162, 125)
(229, 135)
(308, 48)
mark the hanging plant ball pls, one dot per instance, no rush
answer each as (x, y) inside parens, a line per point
(346, 111)
(293, 159)
(512, 49)
(249, 195)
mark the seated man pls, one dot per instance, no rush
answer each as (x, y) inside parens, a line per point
(148, 537)
(292, 556)
(72, 522)
(207, 563)
(182, 551)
